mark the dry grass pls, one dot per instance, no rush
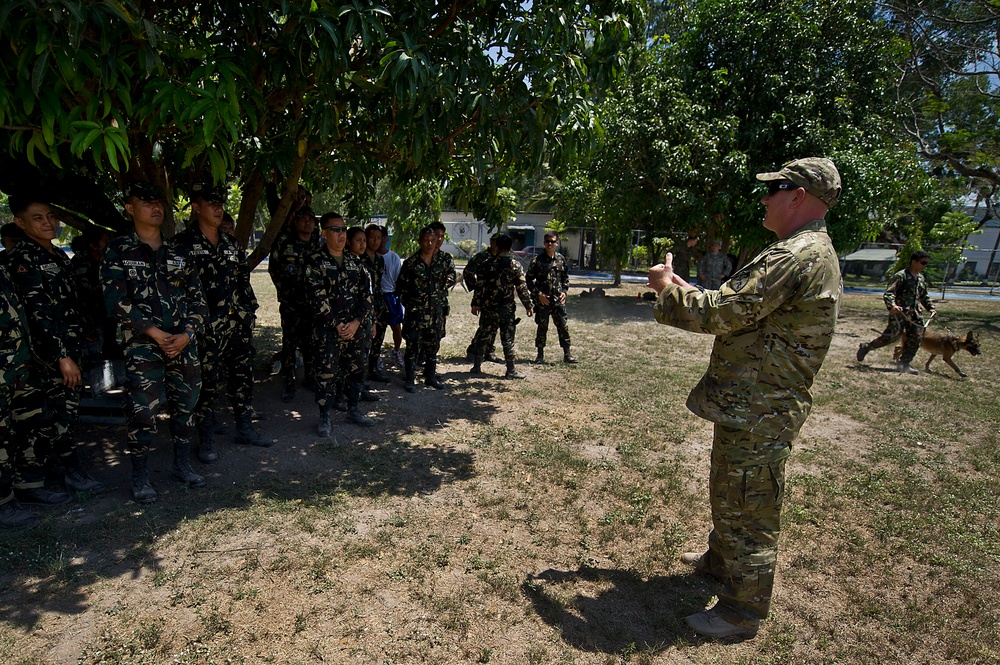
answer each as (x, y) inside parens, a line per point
(537, 521)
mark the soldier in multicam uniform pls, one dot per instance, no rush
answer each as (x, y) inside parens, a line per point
(493, 302)
(152, 289)
(773, 322)
(470, 276)
(47, 409)
(375, 263)
(548, 281)
(14, 357)
(905, 291)
(287, 264)
(714, 267)
(225, 343)
(423, 289)
(340, 291)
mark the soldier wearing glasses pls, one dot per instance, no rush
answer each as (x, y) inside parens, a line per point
(905, 291)
(548, 282)
(773, 322)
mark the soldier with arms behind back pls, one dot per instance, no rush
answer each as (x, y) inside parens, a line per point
(773, 322)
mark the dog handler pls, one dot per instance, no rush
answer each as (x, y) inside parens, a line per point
(906, 288)
(773, 321)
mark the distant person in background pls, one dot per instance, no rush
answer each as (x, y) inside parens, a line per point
(88, 250)
(375, 263)
(394, 308)
(686, 254)
(714, 268)
(470, 276)
(447, 266)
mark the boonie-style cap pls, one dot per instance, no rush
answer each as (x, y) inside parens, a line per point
(817, 175)
(144, 191)
(207, 192)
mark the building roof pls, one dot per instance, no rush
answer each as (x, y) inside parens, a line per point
(872, 254)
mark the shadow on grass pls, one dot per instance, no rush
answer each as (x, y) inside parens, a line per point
(633, 615)
(608, 309)
(49, 568)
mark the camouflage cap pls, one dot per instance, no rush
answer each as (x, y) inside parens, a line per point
(144, 191)
(207, 192)
(817, 175)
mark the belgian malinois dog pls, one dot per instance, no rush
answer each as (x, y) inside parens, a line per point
(942, 345)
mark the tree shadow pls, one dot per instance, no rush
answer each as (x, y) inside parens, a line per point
(49, 568)
(608, 309)
(615, 611)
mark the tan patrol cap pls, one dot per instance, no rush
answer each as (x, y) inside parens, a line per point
(817, 175)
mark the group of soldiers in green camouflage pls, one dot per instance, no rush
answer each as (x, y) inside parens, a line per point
(180, 313)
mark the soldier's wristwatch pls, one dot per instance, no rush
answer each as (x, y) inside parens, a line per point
(190, 334)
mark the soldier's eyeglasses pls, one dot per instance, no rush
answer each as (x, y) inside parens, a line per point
(551, 242)
(775, 187)
(335, 229)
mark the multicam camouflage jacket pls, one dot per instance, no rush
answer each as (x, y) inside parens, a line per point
(339, 292)
(290, 256)
(548, 275)
(49, 291)
(423, 290)
(773, 322)
(14, 350)
(375, 265)
(906, 290)
(144, 288)
(498, 281)
(470, 276)
(224, 275)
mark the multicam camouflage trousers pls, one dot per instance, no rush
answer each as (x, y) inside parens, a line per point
(335, 356)
(44, 410)
(296, 334)
(152, 380)
(558, 314)
(490, 322)
(746, 488)
(229, 350)
(908, 322)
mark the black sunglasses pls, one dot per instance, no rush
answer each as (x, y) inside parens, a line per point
(551, 242)
(335, 229)
(774, 187)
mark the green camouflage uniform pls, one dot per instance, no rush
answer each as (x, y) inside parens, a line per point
(906, 290)
(477, 264)
(551, 277)
(14, 357)
(447, 266)
(226, 342)
(287, 267)
(99, 332)
(340, 293)
(144, 288)
(711, 266)
(46, 409)
(375, 265)
(496, 284)
(773, 322)
(423, 290)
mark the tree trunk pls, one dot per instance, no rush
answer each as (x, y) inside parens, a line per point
(618, 272)
(291, 188)
(252, 191)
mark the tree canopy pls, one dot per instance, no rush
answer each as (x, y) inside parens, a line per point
(279, 91)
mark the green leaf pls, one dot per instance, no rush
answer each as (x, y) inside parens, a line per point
(38, 72)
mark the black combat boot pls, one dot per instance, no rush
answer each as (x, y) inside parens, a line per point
(512, 372)
(14, 516)
(182, 470)
(863, 349)
(206, 439)
(540, 358)
(568, 357)
(354, 414)
(77, 478)
(323, 429)
(142, 491)
(410, 368)
(288, 392)
(247, 434)
(430, 375)
(477, 364)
